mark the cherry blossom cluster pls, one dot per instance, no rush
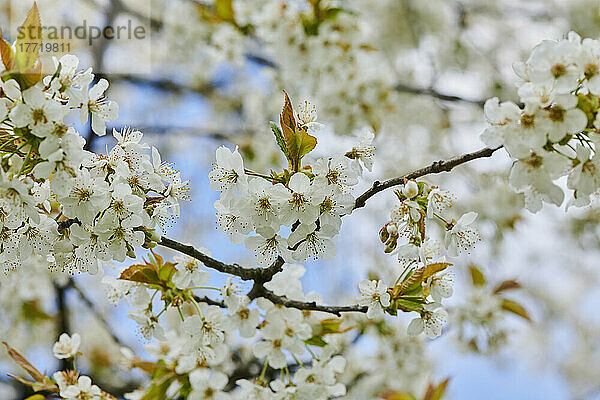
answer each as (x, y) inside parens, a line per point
(119, 199)
(94, 207)
(108, 204)
(421, 257)
(393, 365)
(195, 349)
(310, 201)
(554, 133)
(72, 385)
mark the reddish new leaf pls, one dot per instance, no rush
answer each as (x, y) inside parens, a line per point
(26, 365)
(141, 273)
(507, 285)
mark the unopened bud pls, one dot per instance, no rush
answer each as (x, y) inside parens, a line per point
(149, 244)
(155, 236)
(391, 245)
(410, 189)
(392, 229)
(384, 235)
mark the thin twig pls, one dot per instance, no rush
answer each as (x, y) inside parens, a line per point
(311, 306)
(434, 168)
(435, 94)
(210, 301)
(164, 84)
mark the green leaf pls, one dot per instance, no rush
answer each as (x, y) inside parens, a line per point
(36, 397)
(166, 271)
(305, 142)
(331, 325)
(47, 385)
(26, 65)
(158, 391)
(224, 10)
(432, 269)
(297, 141)
(279, 139)
(29, 41)
(161, 379)
(414, 292)
(412, 281)
(408, 305)
(316, 341)
(141, 273)
(33, 311)
(332, 12)
(515, 308)
(476, 276)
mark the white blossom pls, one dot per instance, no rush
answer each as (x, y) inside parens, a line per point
(431, 322)
(99, 107)
(461, 236)
(374, 295)
(228, 172)
(67, 346)
(268, 246)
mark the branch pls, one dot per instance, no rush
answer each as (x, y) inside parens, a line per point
(161, 84)
(62, 317)
(262, 275)
(259, 275)
(247, 274)
(435, 94)
(210, 301)
(434, 168)
(175, 87)
(310, 306)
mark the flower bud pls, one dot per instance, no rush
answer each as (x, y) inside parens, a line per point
(392, 229)
(149, 244)
(384, 235)
(410, 189)
(391, 244)
(155, 236)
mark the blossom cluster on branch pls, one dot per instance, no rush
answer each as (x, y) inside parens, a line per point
(109, 203)
(66, 207)
(555, 132)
